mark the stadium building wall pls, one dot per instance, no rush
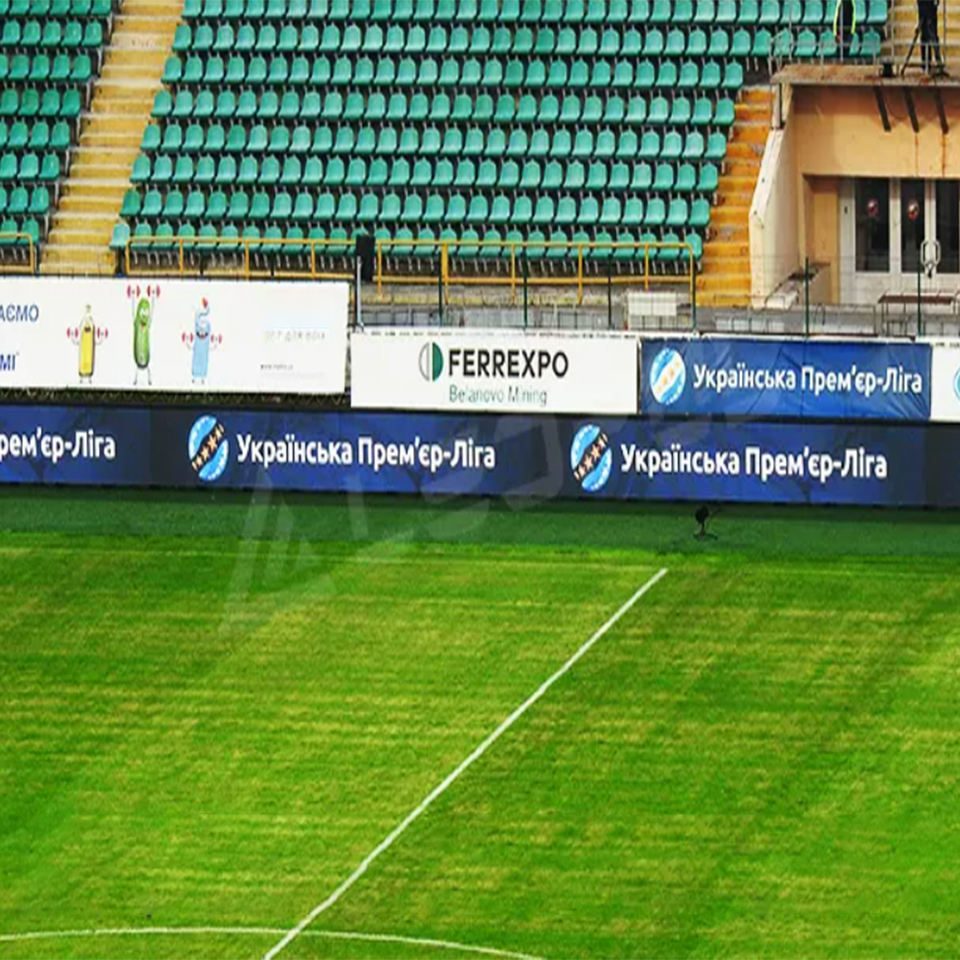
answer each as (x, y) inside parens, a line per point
(804, 205)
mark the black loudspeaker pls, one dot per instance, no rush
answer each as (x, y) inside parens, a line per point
(365, 254)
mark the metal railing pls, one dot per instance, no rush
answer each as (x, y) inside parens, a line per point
(14, 239)
(790, 31)
(520, 260)
(586, 252)
(185, 246)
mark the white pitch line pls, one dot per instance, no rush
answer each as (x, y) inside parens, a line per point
(263, 931)
(454, 774)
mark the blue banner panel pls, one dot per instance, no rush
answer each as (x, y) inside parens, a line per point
(105, 446)
(448, 454)
(786, 378)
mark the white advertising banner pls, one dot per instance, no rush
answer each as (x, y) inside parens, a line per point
(503, 371)
(945, 382)
(175, 335)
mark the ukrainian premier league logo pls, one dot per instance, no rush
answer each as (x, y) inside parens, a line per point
(668, 376)
(591, 458)
(208, 448)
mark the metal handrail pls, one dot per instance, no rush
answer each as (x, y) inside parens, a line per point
(183, 245)
(13, 237)
(521, 246)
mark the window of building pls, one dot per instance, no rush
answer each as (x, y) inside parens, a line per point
(913, 224)
(948, 225)
(872, 204)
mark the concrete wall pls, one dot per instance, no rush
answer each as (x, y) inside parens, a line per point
(774, 248)
(803, 201)
(839, 133)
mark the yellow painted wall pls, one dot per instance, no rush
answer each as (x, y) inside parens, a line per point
(838, 133)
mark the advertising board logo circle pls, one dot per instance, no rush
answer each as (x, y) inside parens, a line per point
(591, 458)
(668, 376)
(956, 384)
(431, 361)
(208, 448)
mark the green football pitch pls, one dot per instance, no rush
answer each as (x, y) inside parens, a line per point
(223, 715)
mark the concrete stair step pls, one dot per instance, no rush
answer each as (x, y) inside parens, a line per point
(112, 123)
(745, 151)
(133, 57)
(154, 8)
(89, 173)
(742, 168)
(64, 238)
(82, 219)
(99, 156)
(99, 139)
(120, 91)
(727, 250)
(756, 133)
(125, 107)
(77, 264)
(99, 205)
(731, 183)
(753, 112)
(729, 233)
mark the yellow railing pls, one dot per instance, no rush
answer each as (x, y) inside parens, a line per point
(11, 238)
(517, 248)
(184, 245)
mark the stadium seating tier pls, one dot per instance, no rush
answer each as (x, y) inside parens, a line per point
(458, 121)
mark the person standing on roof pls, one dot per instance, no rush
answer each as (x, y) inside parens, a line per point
(844, 25)
(929, 35)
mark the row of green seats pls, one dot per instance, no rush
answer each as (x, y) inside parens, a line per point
(654, 42)
(705, 12)
(435, 208)
(807, 45)
(558, 244)
(40, 135)
(364, 209)
(57, 8)
(10, 226)
(451, 74)
(680, 110)
(817, 13)
(479, 41)
(20, 201)
(53, 34)
(596, 177)
(532, 244)
(646, 144)
(29, 166)
(41, 69)
(512, 74)
(28, 102)
(335, 171)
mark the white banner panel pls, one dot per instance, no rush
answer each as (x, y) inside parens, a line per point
(177, 335)
(945, 382)
(511, 371)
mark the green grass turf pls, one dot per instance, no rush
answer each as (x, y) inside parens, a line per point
(212, 707)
